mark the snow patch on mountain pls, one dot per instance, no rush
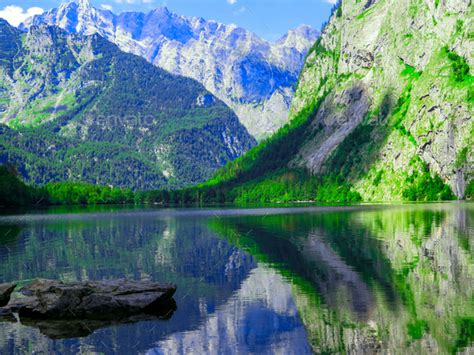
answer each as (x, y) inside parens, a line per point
(254, 77)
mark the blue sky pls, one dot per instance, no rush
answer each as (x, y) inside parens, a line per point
(268, 18)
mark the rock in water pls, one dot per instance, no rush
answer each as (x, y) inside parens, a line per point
(5, 292)
(48, 299)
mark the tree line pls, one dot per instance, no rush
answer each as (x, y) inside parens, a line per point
(283, 186)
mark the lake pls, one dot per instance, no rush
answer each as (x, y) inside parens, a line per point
(360, 279)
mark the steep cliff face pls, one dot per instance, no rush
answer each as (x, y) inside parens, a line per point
(396, 81)
(252, 76)
(78, 108)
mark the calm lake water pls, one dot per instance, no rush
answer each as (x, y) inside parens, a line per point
(290, 281)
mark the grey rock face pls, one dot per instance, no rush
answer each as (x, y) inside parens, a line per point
(5, 292)
(48, 299)
(334, 123)
(254, 77)
(416, 112)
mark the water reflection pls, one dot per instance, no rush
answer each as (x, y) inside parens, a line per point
(396, 279)
(260, 318)
(208, 270)
(78, 328)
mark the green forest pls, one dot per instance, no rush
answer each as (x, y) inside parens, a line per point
(282, 186)
(15, 193)
(129, 124)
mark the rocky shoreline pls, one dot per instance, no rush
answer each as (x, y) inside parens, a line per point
(63, 310)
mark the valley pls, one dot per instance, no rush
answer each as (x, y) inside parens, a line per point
(171, 184)
(254, 77)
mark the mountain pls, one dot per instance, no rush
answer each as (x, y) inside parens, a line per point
(77, 108)
(400, 102)
(383, 111)
(252, 76)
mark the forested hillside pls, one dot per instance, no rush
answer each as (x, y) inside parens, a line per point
(254, 77)
(78, 109)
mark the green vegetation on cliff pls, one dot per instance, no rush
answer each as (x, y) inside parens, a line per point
(383, 111)
(398, 112)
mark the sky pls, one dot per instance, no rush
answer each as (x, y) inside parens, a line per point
(270, 19)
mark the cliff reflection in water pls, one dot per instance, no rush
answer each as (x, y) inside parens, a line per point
(389, 278)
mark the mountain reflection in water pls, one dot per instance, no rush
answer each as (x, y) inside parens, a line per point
(383, 278)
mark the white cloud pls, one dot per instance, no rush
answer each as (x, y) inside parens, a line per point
(16, 14)
(232, 2)
(106, 7)
(241, 10)
(331, 1)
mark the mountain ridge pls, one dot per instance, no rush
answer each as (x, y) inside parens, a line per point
(254, 77)
(80, 109)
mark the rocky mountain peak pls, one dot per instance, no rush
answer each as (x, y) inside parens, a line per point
(254, 77)
(83, 4)
(303, 30)
(5, 26)
(161, 11)
(299, 38)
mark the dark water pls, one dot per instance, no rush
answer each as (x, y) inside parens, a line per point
(396, 279)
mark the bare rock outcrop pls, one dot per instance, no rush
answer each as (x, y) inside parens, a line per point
(65, 310)
(48, 299)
